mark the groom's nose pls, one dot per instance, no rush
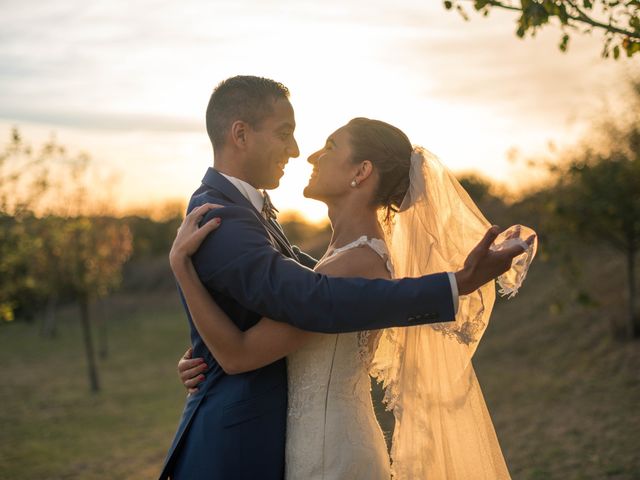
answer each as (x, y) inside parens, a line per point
(293, 150)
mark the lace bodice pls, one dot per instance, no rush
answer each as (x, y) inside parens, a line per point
(375, 244)
(332, 432)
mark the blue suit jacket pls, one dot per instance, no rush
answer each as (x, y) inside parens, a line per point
(234, 426)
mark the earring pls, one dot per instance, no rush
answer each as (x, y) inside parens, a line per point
(354, 184)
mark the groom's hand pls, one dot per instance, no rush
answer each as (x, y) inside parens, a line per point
(483, 264)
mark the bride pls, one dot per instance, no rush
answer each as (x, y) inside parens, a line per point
(395, 212)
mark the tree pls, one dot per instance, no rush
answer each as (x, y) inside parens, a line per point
(52, 244)
(23, 179)
(619, 20)
(86, 250)
(599, 198)
(92, 252)
(490, 197)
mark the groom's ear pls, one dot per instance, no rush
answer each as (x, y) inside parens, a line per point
(239, 133)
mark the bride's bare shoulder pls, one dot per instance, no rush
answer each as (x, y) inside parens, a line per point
(356, 262)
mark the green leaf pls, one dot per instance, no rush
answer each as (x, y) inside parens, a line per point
(448, 5)
(616, 52)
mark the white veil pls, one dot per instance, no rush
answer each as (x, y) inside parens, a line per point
(443, 429)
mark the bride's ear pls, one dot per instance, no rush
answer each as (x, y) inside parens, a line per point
(365, 170)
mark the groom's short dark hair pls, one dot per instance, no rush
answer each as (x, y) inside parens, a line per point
(243, 97)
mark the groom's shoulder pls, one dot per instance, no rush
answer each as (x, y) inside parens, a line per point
(233, 215)
(200, 198)
(230, 208)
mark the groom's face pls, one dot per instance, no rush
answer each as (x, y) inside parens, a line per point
(270, 146)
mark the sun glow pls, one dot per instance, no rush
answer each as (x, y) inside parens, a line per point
(131, 89)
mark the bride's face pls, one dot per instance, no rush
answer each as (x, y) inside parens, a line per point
(333, 169)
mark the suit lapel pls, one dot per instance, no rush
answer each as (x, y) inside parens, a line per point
(276, 230)
(216, 181)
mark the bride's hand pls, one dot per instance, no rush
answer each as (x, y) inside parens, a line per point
(190, 235)
(191, 371)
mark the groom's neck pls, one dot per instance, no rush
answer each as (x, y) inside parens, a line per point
(233, 169)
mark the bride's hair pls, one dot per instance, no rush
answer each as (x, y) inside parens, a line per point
(389, 150)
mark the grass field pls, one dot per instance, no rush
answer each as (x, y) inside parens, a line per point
(564, 396)
(53, 428)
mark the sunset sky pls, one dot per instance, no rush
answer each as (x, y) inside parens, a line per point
(128, 82)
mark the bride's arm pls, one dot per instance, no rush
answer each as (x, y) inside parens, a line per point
(267, 341)
(236, 351)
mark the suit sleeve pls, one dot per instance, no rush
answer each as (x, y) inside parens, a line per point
(305, 259)
(238, 260)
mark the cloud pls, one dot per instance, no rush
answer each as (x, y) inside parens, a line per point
(150, 64)
(105, 122)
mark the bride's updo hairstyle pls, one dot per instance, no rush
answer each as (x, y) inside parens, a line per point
(389, 150)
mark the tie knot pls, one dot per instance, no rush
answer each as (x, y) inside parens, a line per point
(268, 210)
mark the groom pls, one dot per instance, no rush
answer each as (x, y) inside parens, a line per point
(234, 426)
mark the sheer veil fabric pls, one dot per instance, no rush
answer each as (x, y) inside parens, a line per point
(443, 428)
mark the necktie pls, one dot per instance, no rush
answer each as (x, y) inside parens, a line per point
(268, 210)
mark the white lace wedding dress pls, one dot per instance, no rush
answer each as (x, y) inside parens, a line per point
(442, 427)
(332, 431)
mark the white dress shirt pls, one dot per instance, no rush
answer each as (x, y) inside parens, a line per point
(257, 200)
(248, 191)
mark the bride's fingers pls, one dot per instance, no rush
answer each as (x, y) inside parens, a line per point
(193, 372)
(194, 217)
(198, 213)
(193, 382)
(206, 229)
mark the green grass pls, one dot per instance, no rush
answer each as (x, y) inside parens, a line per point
(53, 428)
(563, 395)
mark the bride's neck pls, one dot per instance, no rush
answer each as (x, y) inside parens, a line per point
(350, 221)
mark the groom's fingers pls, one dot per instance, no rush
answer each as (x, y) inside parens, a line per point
(513, 251)
(488, 238)
(515, 233)
(529, 241)
(517, 249)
